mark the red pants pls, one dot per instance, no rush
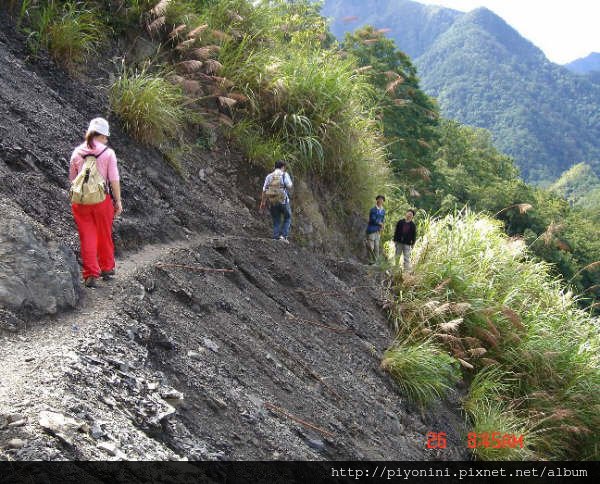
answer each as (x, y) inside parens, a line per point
(94, 224)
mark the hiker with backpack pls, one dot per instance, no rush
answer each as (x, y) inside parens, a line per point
(276, 190)
(375, 226)
(95, 201)
(405, 237)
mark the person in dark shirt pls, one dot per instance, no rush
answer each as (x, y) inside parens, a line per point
(376, 221)
(405, 236)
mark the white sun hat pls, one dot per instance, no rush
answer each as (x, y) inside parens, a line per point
(100, 126)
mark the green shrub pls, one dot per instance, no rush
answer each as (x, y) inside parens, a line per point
(423, 371)
(151, 108)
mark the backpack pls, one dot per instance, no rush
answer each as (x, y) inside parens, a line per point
(276, 189)
(88, 187)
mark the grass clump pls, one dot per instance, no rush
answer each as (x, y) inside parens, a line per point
(506, 432)
(260, 149)
(513, 442)
(422, 370)
(70, 31)
(494, 307)
(75, 35)
(151, 108)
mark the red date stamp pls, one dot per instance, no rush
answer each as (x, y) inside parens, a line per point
(494, 440)
(436, 440)
(487, 440)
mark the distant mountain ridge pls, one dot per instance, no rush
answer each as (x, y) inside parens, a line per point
(418, 24)
(484, 73)
(589, 63)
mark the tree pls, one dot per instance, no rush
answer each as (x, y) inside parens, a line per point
(409, 116)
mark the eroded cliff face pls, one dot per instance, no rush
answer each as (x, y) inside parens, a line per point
(213, 341)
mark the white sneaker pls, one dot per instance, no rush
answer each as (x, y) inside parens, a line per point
(284, 239)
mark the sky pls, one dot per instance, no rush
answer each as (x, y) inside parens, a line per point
(564, 29)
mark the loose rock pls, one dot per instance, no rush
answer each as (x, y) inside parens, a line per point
(210, 344)
(60, 425)
(15, 443)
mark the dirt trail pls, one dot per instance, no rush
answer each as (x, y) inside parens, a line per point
(26, 357)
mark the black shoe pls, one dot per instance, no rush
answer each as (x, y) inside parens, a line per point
(90, 281)
(107, 275)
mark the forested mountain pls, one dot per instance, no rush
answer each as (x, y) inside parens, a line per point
(485, 74)
(590, 63)
(413, 26)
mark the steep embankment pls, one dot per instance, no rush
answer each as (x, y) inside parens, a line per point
(278, 358)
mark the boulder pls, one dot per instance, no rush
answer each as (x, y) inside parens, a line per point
(37, 275)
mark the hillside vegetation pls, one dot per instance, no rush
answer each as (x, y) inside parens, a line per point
(213, 341)
(483, 73)
(353, 121)
(531, 352)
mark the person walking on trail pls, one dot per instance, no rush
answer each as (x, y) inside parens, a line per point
(405, 237)
(276, 190)
(95, 201)
(375, 226)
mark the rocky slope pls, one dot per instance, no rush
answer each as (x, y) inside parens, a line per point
(213, 342)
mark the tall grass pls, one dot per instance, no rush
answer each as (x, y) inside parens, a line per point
(151, 108)
(321, 111)
(489, 412)
(493, 306)
(73, 36)
(71, 31)
(423, 371)
(286, 96)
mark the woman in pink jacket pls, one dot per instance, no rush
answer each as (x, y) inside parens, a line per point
(94, 222)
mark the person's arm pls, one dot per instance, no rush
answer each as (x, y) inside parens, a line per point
(397, 231)
(115, 184)
(262, 200)
(263, 193)
(382, 220)
(287, 181)
(414, 234)
(373, 216)
(116, 192)
(73, 165)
